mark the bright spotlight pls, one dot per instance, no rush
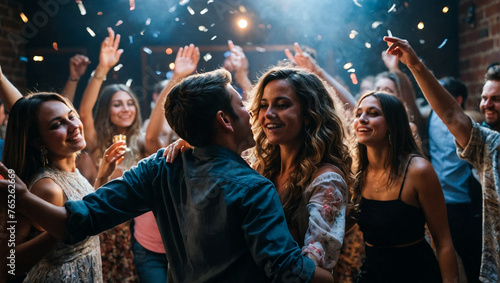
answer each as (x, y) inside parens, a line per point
(242, 23)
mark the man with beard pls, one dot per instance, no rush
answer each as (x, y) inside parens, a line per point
(490, 98)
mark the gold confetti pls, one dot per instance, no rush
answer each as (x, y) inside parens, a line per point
(23, 17)
(54, 45)
(91, 32)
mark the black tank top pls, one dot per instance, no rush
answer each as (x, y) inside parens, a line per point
(392, 222)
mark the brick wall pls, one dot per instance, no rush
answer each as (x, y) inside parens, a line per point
(479, 44)
(11, 43)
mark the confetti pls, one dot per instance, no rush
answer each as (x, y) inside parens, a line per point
(119, 23)
(171, 66)
(207, 57)
(357, 3)
(443, 43)
(91, 32)
(23, 58)
(202, 28)
(81, 7)
(213, 37)
(176, 19)
(368, 45)
(242, 9)
(392, 9)
(54, 45)
(260, 49)
(212, 25)
(130, 39)
(422, 41)
(347, 66)
(132, 4)
(142, 32)
(38, 58)
(117, 67)
(204, 11)
(23, 17)
(129, 82)
(156, 34)
(227, 54)
(183, 2)
(376, 24)
(99, 13)
(148, 21)
(147, 50)
(171, 10)
(190, 10)
(389, 33)
(351, 70)
(210, 1)
(169, 51)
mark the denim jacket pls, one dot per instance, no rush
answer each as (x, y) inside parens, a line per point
(220, 220)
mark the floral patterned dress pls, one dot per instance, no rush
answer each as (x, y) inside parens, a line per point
(80, 262)
(320, 219)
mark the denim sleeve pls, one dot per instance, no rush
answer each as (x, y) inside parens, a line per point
(269, 240)
(114, 203)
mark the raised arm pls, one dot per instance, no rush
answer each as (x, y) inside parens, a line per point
(445, 106)
(9, 94)
(108, 57)
(185, 64)
(77, 67)
(237, 62)
(305, 61)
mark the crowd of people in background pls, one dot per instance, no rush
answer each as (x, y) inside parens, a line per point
(312, 182)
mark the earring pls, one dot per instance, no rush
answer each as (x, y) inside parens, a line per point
(389, 137)
(43, 157)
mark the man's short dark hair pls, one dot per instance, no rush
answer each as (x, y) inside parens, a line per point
(492, 72)
(455, 87)
(191, 106)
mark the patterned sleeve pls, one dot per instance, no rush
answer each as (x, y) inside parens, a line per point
(327, 196)
(482, 143)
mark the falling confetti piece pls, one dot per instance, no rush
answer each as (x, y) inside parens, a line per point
(204, 11)
(38, 58)
(91, 32)
(129, 82)
(260, 49)
(171, 66)
(147, 50)
(156, 34)
(227, 54)
(83, 11)
(99, 13)
(347, 66)
(210, 1)
(202, 28)
(389, 33)
(351, 70)
(212, 25)
(207, 57)
(443, 43)
(23, 58)
(119, 23)
(392, 9)
(376, 24)
(148, 21)
(422, 41)
(23, 17)
(117, 67)
(354, 79)
(54, 45)
(130, 39)
(171, 10)
(169, 51)
(242, 9)
(132, 4)
(357, 3)
(176, 19)
(183, 2)
(190, 10)
(368, 45)
(142, 32)
(213, 37)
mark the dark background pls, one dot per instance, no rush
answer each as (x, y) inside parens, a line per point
(273, 24)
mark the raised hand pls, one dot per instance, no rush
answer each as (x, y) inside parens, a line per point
(402, 50)
(186, 61)
(77, 66)
(111, 158)
(110, 54)
(236, 61)
(301, 59)
(390, 61)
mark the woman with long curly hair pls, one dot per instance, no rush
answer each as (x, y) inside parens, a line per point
(396, 193)
(300, 147)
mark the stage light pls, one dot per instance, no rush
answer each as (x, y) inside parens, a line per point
(445, 9)
(420, 25)
(38, 58)
(242, 23)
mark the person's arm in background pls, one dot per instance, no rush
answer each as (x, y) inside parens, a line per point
(185, 64)
(77, 67)
(9, 94)
(108, 57)
(237, 62)
(445, 106)
(305, 61)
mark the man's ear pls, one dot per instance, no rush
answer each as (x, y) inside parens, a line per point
(224, 121)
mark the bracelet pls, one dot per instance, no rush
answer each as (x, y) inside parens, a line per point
(73, 80)
(101, 78)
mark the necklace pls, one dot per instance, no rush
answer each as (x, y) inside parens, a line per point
(377, 180)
